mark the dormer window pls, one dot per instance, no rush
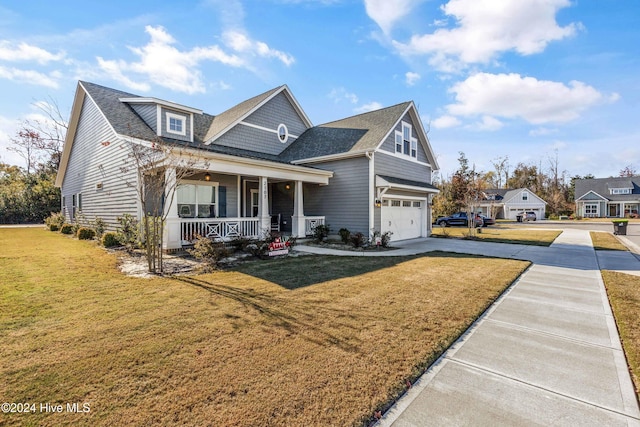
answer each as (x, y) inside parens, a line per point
(176, 124)
(620, 190)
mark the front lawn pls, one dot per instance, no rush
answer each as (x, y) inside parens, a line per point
(296, 341)
(501, 235)
(624, 295)
(603, 241)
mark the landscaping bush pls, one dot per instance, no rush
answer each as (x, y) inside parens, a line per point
(110, 239)
(385, 238)
(358, 240)
(321, 232)
(344, 235)
(86, 233)
(209, 251)
(54, 221)
(127, 230)
(66, 229)
(99, 225)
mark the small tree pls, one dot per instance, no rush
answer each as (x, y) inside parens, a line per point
(154, 169)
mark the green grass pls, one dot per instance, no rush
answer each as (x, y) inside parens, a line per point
(296, 341)
(624, 295)
(498, 234)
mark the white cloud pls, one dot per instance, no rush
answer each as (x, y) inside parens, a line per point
(445, 121)
(30, 77)
(387, 12)
(341, 94)
(542, 131)
(161, 63)
(8, 129)
(371, 106)
(411, 78)
(487, 28)
(240, 42)
(25, 52)
(488, 123)
(514, 96)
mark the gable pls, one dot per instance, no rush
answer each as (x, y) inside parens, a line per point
(518, 196)
(270, 128)
(389, 143)
(591, 195)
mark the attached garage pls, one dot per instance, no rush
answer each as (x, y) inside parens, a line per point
(405, 219)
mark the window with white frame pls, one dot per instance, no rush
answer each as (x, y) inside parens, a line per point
(197, 201)
(405, 143)
(176, 124)
(591, 209)
(620, 190)
(525, 195)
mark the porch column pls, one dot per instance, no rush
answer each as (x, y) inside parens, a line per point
(263, 205)
(298, 222)
(171, 238)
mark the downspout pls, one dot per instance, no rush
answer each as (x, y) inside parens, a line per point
(372, 194)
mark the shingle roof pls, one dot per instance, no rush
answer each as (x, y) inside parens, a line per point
(227, 118)
(602, 186)
(353, 134)
(126, 121)
(401, 181)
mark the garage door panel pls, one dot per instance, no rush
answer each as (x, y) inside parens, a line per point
(404, 222)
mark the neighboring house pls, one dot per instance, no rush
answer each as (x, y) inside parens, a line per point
(262, 166)
(607, 197)
(503, 203)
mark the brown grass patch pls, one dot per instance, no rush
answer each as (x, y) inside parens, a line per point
(603, 241)
(624, 295)
(498, 234)
(297, 341)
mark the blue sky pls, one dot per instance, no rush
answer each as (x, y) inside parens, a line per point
(527, 79)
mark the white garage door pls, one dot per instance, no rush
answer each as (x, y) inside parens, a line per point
(402, 217)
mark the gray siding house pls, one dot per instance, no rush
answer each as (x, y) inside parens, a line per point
(502, 203)
(608, 197)
(260, 166)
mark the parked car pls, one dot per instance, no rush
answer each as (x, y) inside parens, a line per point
(526, 216)
(459, 218)
(487, 220)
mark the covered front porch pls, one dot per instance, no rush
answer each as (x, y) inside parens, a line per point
(211, 201)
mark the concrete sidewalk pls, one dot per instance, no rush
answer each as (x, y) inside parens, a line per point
(546, 353)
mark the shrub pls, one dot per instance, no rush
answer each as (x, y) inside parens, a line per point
(54, 221)
(321, 232)
(110, 239)
(86, 233)
(209, 251)
(344, 235)
(358, 240)
(127, 230)
(66, 229)
(99, 225)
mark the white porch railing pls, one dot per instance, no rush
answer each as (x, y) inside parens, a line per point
(218, 228)
(311, 222)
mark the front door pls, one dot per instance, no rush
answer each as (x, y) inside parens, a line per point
(613, 210)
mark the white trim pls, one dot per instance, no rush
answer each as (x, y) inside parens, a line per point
(372, 192)
(330, 157)
(158, 120)
(251, 125)
(169, 104)
(403, 197)
(591, 191)
(183, 120)
(402, 156)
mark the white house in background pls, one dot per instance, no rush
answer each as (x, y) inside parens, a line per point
(262, 165)
(503, 203)
(608, 197)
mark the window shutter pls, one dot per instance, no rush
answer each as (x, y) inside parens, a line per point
(222, 202)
